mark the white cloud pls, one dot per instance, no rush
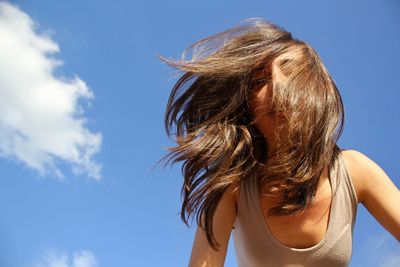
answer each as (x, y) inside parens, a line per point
(82, 258)
(41, 119)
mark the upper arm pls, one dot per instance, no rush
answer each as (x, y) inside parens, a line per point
(375, 191)
(202, 253)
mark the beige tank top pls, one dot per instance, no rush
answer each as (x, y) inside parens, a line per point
(256, 246)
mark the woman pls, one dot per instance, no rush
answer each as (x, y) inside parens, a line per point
(257, 118)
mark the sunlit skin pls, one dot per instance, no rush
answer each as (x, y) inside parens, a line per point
(373, 188)
(265, 120)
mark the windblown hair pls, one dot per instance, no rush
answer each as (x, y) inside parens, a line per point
(218, 143)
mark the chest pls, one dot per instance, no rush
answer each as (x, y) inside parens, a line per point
(300, 230)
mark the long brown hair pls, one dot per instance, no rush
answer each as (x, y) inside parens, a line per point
(208, 113)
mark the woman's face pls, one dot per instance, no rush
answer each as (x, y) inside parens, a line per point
(265, 120)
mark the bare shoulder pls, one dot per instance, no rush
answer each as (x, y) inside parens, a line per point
(233, 192)
(376, 191)
(352, 157)
(363, 170)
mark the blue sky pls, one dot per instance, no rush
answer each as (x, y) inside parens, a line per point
(82, 97)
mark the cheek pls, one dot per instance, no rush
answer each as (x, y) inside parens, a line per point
(264, 122)
(266, 125)
(259, 103)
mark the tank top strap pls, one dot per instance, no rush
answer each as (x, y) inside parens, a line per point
(345, 183)
(248, 194)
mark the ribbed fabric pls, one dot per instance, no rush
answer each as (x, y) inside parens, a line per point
(256, 246)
